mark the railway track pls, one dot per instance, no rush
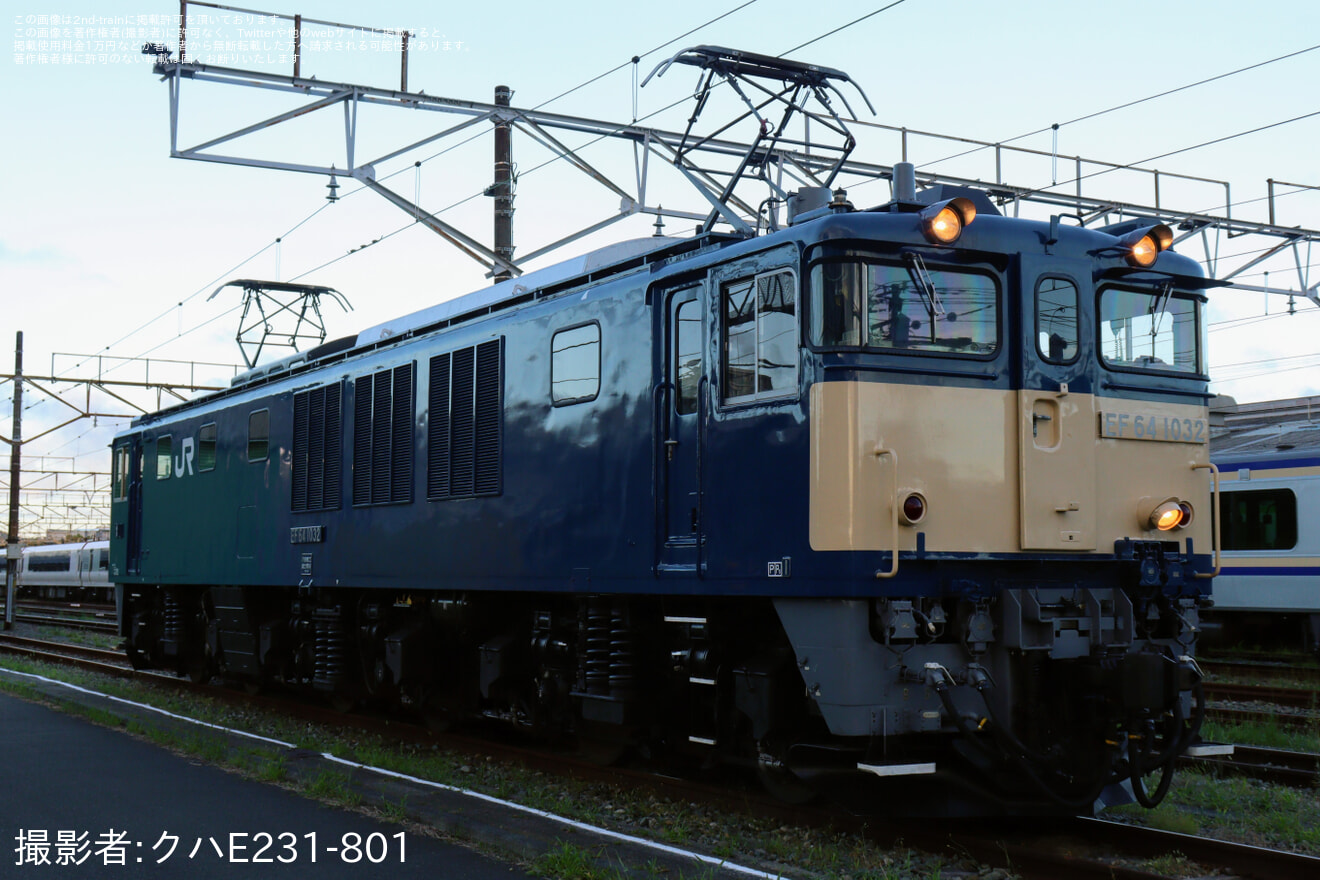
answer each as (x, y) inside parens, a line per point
(1294, 769)
(1263, 670)
(1295, 698)
(1082, 849)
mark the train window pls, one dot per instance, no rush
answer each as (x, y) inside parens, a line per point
(575, 364)
(907, 307)
(49, 562)
(760, 336)
(1150, 329)
(1258, 519)
(120, 477)
(687, 356)
(164, 456)
(206, 447)
(1056, 320)
(259, 435)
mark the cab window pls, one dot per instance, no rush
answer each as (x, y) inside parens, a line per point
(904, 307)
(120, 477)
(759, 336)
(1155, 329)
(1056, 320)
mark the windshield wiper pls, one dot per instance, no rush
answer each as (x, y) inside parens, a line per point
(1165, 294)
(916, 267)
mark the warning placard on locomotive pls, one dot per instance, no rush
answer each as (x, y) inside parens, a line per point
(1151, 426)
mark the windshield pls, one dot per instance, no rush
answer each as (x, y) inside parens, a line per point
(906, 307)
(1154, 328)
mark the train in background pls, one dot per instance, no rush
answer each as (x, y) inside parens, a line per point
(74, 572)
(897, 504)
(1268, 594)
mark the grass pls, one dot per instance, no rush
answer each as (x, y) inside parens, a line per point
(1265, 733)
(1235, 808)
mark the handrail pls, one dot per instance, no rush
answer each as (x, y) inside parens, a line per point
(879, 453)
(1214, 511)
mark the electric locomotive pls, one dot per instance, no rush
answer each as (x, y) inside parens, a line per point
(909, 505)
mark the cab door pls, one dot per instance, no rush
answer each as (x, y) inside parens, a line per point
(1056, 407)
(126, 508)
(681, 405)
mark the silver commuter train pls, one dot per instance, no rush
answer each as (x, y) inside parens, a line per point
(63, 572)
(1269, 588)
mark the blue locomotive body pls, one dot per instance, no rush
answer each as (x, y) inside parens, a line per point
(852, 500)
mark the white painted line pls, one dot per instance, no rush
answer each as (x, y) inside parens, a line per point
(562, 820)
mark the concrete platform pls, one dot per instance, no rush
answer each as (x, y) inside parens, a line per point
(129, 809)
(62, 773)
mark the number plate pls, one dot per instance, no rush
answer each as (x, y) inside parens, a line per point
(1148, 426)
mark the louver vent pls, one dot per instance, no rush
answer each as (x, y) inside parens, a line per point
(466, 422)
(382, 436)
(317, 457)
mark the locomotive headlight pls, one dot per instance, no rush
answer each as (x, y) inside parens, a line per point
(943, 222)
(1145, 245)
(1166, 515)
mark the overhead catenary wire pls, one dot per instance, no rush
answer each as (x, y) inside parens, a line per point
(1133, 103)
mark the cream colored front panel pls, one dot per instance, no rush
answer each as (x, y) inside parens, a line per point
(1058, 487)
(956, 446)
(1137, 474)
(965, 450)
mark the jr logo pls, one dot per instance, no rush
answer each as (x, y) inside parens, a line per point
(185, 458)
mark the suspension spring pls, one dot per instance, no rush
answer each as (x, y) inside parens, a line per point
(330, 650)
(598, 646)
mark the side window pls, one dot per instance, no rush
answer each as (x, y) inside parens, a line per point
(120, 477)
(164, 456)
(259, 435)
(1056, 320)
(760, 336)
(575, 364)
(1258, 519)
(206, 447)
(687, 356)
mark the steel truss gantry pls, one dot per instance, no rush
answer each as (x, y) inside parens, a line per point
(722, 171)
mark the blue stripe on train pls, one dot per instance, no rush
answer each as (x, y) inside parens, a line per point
(1307, 570)
(1267, 464)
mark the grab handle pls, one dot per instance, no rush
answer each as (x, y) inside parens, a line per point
(1214, 509)
(893, 570)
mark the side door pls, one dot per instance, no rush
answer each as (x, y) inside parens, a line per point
(1056, 407)
(682, 398)
(126, 508)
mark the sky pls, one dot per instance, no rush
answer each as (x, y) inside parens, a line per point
(110, 248)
